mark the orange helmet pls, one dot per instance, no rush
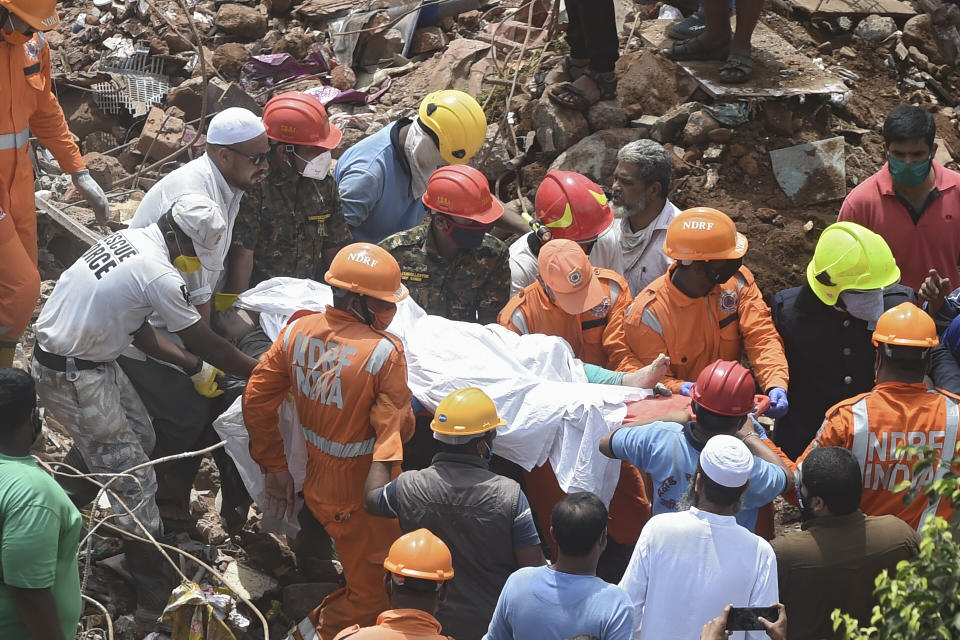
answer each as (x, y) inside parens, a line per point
(297, 118)
(461, 190)
(572, 206)
(906, 325)
(39, 14)
(367, 269)
(420, 554)
(703, 233)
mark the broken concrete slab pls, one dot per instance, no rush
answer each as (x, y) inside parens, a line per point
(813, 172)
(781, 70)
(248, 582)
(161, 135)
(836, 8)
(596, 155)
(557, 128)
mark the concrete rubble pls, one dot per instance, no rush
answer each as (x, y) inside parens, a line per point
(834, 72)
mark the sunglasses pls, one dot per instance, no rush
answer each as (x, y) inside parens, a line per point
(257, 158)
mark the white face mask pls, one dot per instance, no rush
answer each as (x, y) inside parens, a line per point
(423, 156)
(318, 168)
(864, 305)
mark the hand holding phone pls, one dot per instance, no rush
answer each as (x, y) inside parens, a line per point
(746, 618)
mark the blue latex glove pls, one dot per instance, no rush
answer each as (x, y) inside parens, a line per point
(778, 403)
(685, 388)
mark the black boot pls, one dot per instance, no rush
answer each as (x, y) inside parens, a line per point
(153, 578)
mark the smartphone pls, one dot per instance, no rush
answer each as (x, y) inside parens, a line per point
(745, 618)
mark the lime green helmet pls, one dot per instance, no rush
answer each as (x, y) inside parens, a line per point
(850, 256)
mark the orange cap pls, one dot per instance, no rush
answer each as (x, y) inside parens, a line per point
(39, 14)
(420, 554)
(367, 269)
(703, 233)
(566, 269)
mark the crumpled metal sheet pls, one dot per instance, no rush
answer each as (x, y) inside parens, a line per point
(812, 172)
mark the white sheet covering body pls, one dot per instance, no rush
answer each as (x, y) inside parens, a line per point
(540, 389)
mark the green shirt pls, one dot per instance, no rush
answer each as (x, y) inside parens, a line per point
(473, 287)
(39, 534)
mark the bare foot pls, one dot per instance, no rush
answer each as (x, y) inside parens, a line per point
(648, 376)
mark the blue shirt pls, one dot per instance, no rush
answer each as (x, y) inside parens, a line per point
(373, 178)
(539, 602)
(669, 453)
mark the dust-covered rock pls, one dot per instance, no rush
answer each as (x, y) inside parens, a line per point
(342, 77)
(918, 32)
(229, 58)
(426, 40)
(699, 124)
(240, 20)
(668, 126)
(558, 128)
(606, 114)
(493, 159)
(596, 155)
(875, 29)
(104, 169)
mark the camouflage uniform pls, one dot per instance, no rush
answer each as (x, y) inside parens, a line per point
(288, 223)
(110, 426)
(476, 282)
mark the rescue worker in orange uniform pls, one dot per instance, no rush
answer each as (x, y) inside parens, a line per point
(585, 306)
(899, 410)
(28, 107)
(419, 567)
(707, 307)
(348, 377)
(19, 281)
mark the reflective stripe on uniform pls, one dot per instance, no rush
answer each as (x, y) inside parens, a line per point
(651, 321)
(614, 292)
(949, 448)
(520, 322)
(288, 332)
(338, 449)
(379, 356)
(861, 432)
(304, 631)
(741, 282)
(14, 140)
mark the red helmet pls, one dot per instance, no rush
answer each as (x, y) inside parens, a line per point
(461, 190)
(297, 118)
(572, 206)
(727, 388)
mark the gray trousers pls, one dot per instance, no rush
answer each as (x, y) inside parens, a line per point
(111, 428)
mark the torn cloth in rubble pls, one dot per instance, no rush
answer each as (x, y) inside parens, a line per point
(539, 388)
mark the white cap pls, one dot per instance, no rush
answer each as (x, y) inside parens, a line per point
(202, 220)
(726, 461)
(233, 126)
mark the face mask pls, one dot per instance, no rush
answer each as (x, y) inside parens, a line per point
(863, 305)
(382, 319)
(423, 157)
(488, 456)
(319, 167)
(187, 264)
(727, 271)
(908, 174)
(465, 237)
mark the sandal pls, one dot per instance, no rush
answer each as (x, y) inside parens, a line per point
(579, 96)
(689, 27)
(737, 68)
(565, 71)
(694, 49)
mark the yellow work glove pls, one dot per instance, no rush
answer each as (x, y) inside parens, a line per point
(223, 301)
(205, 381)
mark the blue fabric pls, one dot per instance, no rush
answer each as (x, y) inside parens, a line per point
(668, 452)
(374, 183)
(951, 337)
(538, 602)
(599, 375)
(524, 529)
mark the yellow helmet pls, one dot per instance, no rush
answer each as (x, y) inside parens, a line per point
(850, 256)
(39, 14)
(458, 122)
(463, 415)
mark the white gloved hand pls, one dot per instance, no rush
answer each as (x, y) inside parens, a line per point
(205, 381)
(93, 194)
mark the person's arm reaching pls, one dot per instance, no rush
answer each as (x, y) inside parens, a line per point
(761, 341)
(359, 189)
(158, 346)
(201, 340)
(377, 479)
(511, 222)
(38, 612)
(760, 449)
(240, 269)
(644, 346)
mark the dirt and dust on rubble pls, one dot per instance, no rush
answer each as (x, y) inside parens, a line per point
(138, 79)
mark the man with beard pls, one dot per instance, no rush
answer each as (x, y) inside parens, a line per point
(833, 561)
(689, 565)
(641, 184)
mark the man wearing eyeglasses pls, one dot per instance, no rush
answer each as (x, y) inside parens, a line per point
(235, 160)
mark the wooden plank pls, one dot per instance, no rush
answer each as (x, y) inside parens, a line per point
(781, 70)
(67, 223)
(852, 8)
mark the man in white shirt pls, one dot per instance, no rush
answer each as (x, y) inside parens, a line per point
(641, 185)
(98, 308)
(689, 565)
(236, 158)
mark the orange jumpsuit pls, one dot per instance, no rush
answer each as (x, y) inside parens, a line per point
(349, 382)
(695, 332)
(594, 336)
(398, 624)
(19, 280)
(872, 425)
(27, 107)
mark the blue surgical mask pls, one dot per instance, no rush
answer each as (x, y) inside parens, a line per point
(908, 174)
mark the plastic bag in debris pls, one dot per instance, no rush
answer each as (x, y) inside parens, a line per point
(730, 114)
(539, 388)
(669, 12)
(331, 95)
(268, 66)
(195, 613)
